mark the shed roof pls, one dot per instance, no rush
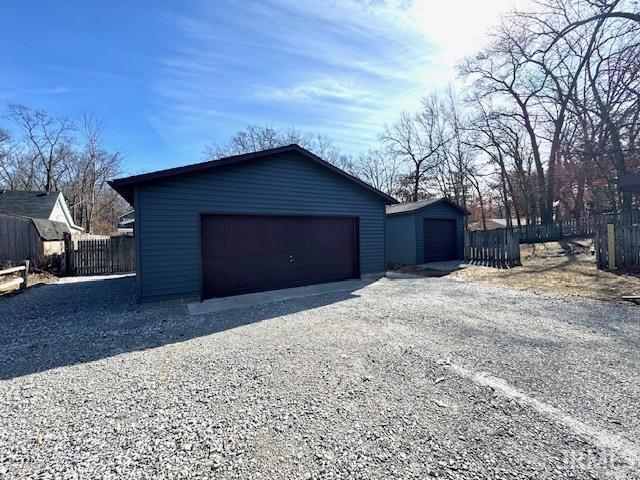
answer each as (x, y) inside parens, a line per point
(125, 186)
(32, 204)
(49, 229)
(420, 204)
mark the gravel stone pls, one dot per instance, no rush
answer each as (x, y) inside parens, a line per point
(354, 384)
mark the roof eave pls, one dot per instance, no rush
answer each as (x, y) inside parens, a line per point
(446, 200)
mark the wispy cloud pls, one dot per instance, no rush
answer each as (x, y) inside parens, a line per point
(341, 68)
(55, 90)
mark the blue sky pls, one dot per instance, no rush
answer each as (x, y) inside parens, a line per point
(170, 77)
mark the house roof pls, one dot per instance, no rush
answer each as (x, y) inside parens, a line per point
(630, 182)
(27, 203)
(414, 206)
(125, 186)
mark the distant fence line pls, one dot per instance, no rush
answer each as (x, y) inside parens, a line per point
(493, 248)
(558, 230)
(571, 228)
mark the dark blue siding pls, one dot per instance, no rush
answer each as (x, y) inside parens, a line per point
(167, 223)
(439, 210)
(401, 239)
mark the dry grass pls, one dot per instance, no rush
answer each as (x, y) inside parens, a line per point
(566, 267)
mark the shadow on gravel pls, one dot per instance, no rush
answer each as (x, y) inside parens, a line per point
(65, 324)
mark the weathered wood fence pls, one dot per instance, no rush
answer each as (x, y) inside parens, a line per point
(617, 246)
(93, 256)
(19, 240)
(493, 248)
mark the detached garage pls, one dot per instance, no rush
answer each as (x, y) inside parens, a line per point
(273, 219)
(425, 231)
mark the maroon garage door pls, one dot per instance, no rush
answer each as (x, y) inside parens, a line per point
(440, 240)
(252, 253)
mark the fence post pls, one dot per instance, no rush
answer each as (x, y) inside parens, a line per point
(25, 276)
(68, 254)
(611, 245)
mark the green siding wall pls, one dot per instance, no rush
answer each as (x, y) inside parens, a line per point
(167, 215)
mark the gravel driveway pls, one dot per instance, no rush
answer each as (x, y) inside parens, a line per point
(405, 378)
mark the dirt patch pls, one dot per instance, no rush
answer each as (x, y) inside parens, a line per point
(566, 267)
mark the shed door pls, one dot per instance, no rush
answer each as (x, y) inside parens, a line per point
(440, 240)
(252, 253)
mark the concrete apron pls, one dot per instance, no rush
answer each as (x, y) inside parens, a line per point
(214, 305)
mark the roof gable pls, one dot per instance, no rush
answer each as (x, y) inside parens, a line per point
(411, 207)
(125, 186)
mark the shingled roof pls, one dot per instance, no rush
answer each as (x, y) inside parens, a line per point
(27, 203)
(50, 230)
(413, 206)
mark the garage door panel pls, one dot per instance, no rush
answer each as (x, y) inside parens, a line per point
(243, 254)
(440, 240)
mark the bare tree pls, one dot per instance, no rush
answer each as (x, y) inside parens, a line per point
(608, 13)
(418, 139)
(46, 156)
(380, 169)
(536, 68)
(256, 137)
(5, 151)
(86, 187)
(48, 140)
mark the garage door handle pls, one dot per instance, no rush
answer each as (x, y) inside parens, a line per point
(290, 258)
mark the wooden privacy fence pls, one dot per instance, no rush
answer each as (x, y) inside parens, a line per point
(94, 256)
(617, 246)
(493, 248)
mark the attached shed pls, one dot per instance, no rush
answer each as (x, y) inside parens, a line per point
(266, 220)
(425, 231)
(38, 240)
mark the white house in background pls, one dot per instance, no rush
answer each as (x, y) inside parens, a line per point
(40, 206)
(126, 222)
